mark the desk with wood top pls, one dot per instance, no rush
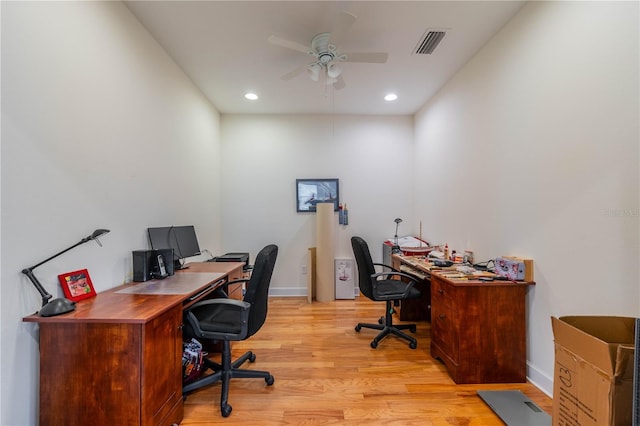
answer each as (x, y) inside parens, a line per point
(478, 329)
(117, 358)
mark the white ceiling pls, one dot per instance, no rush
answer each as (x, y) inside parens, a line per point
(222, 46)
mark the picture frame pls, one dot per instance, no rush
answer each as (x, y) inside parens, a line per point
(310, 192)
(77, 285)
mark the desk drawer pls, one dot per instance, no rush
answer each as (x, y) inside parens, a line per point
(444, 321)
(235, 291)
(443, 330)
(442, 294)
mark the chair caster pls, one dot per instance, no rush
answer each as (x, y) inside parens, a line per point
(413, 345)
(374, 344)
(252, 358)
(226, 410)
(269, 380)
(381, 320)
(412, 329)
(358, 328)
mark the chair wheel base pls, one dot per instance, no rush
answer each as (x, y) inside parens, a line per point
(226, 410)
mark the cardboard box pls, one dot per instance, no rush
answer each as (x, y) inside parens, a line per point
(528, 266)
(512, 269)
(593, 372)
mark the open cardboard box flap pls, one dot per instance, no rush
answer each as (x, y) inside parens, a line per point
(603, 341)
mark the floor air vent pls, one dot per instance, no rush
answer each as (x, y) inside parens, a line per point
(429, 42)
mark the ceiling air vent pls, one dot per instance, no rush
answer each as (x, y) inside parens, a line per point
(429, 42)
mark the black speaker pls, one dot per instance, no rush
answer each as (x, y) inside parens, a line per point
(146, 267)
(142, 264)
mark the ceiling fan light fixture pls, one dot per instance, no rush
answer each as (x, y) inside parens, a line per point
(314, 71)
(333, 70)
(390, 97)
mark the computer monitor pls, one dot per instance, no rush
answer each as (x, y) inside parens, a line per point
(182, 239)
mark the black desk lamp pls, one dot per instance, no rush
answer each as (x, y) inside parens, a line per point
(396, 248)
(60, 305)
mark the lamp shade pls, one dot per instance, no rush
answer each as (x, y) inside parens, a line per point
(314, 71)
(333, 70)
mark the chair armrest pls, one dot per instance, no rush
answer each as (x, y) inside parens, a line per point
(223, 290)
(231, 302)
(399, 274)
(240, 280)
(386, 266)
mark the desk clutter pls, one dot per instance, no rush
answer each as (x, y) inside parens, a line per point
(506, 269)
(453, 264)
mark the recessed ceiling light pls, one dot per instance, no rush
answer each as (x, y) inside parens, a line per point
(390, 97)
(251, 96)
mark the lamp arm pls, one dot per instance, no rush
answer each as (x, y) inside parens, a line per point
(45, 295)
(54, 256)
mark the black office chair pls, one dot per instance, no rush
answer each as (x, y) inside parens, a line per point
(379, 286)
(228, 320)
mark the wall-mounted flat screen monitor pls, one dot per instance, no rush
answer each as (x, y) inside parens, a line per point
(182, 239)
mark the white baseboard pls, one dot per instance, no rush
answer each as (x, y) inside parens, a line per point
(295, 292)
(287, 291)
(540, 380)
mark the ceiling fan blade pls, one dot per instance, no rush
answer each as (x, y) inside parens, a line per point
(294, 73)
(370, 57)
(290, 44)
(341, 27)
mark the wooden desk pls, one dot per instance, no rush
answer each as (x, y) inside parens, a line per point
(478, 328)
(117, 358)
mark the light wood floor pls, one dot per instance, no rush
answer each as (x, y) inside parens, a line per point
(326, 373)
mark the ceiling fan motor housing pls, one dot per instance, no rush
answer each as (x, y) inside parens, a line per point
(322, 50)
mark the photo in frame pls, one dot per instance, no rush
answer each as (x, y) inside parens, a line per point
(310, 192)
(77, 285)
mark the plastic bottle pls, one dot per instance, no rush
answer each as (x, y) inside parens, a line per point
(345, 215)
(340, 214)
(446, 252)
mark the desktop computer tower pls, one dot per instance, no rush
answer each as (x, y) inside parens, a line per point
(234, 257)
(147, 267)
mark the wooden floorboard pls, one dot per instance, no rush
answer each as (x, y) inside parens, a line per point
(326, 373)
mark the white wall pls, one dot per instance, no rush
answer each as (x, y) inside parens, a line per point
(99, 129)
(265, 154)
(533, 150)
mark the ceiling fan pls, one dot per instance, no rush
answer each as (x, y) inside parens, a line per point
(326, 54)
